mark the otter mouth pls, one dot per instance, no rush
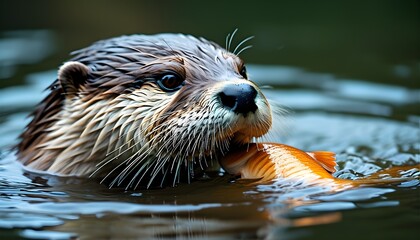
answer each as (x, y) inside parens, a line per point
(214, 138)
(240, 138)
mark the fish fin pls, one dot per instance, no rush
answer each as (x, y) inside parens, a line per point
(325, 159)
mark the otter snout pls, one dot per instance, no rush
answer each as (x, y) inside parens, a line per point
(239, 98)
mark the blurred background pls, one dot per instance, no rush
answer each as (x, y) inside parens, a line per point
(348, 70)
(371, 40)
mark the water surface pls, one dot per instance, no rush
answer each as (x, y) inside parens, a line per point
(358, 126)
(348, 75)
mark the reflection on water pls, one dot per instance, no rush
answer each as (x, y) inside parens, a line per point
(93, 211)
(28, 95)
(371, 127)
(323, 91)
(23, 47)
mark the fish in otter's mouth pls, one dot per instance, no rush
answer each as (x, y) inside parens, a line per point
(144, 110)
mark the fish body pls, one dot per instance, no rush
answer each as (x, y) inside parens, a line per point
(268, 161)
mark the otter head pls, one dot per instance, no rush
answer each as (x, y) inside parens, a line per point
(141, 108)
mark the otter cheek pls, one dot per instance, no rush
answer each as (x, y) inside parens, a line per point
(264, 113)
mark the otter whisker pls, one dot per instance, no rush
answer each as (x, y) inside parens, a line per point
(231, 38)
(243, 49)
(164, 177)
(190, 168)
(174, 162)
(200, 156)
(214, 143)
(226, 41)
(133, 164)
(152, 175)
(176, 177)
(102, 163)
(172, 51)
(143, 152)
(140, 171)
(281, 124)
(128, 141)
(105, 161)
(165, 145)
(160, 168)
(195, 143)
(242, 42)
(161, 153)
(197, 146)
(109, 173)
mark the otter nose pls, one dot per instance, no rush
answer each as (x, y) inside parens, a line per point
(240, 98)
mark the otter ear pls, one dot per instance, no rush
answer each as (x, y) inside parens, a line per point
(72, 75)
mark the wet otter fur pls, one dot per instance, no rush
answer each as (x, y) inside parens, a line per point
(144, 110)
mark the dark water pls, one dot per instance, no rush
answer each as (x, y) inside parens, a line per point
(348, 73)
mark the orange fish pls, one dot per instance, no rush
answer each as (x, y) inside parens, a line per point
(268, 161)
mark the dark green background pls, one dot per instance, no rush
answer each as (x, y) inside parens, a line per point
(351, 39)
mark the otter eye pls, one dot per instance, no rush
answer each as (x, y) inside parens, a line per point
(170, 82)
(243, 72)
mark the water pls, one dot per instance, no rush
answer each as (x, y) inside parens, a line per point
(357, 127)
(364, 106)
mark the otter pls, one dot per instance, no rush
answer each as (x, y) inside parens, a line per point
(144, 110)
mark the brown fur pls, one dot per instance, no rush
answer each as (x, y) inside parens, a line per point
(104, 102)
